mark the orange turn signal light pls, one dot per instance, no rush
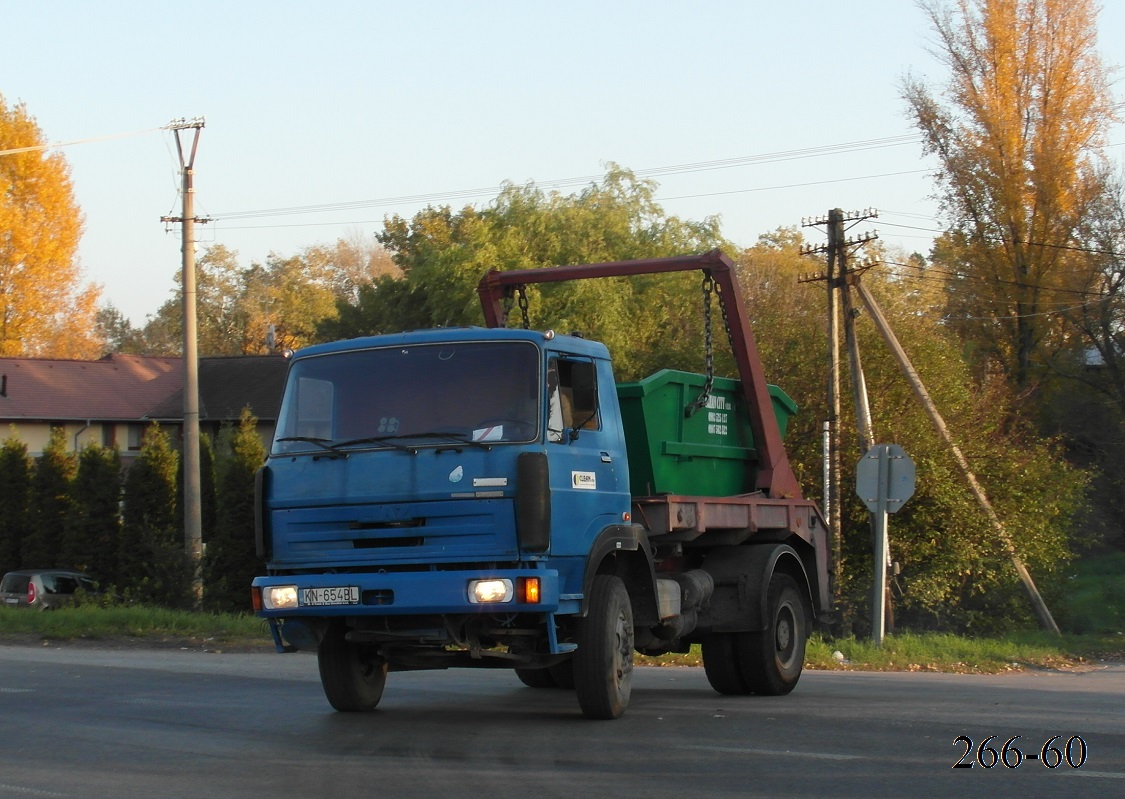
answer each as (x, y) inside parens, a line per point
(530, 590)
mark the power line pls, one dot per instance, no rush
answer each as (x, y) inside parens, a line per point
(1028, 243)
(966, 291)
(395, 201)
(982, 278)
(697, 166)
(41, 147)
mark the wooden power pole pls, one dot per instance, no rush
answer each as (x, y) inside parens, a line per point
(193, 513)
(836, 279)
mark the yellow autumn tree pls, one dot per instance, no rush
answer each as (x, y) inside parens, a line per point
(1018, 131)
(44, 308)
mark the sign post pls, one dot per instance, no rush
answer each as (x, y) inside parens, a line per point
(884, 480)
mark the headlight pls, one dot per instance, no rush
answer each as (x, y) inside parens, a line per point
(486, 591)
(279, 597)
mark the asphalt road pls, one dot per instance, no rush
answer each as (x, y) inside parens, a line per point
(105, 723)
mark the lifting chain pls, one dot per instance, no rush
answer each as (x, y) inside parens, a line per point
(522, 299)
(708, 346)
(723, 311)
(506, 306)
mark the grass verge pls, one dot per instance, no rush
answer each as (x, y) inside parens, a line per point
(145, 626)
(946, 653)
(135, 625)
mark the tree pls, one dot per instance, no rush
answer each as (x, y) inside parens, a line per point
(152, 564)
(51, 504)
(357, 260)
(232, 561)
(239, 308)
(90, 537)
(386, 305)
(43, 310)
(1087, 405)
(117, 332)
(444, 254)
(220, 318)
(287, 297)
(955, 573)
(207, 499)
(15, 492)
(1019, 144)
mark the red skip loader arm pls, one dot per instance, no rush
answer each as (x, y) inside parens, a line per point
(775, 476)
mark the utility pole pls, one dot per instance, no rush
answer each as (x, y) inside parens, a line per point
(193, 515)
(832, 495)
(837, 279)
(881, 607)
(848, 276)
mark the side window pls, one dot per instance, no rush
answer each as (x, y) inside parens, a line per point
(573, 397)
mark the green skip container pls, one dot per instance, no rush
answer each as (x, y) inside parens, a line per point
(710, 453)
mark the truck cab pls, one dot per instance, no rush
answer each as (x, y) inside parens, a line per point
(436, 494)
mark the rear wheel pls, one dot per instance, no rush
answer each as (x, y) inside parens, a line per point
(536, 678)
(353, 676)
(560, 675)
(603, 663)
(563, 674)
(720, 662)
(771, 660)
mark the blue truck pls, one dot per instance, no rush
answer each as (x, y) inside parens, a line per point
(490, 497)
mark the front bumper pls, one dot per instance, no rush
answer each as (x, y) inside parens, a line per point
(409, 593)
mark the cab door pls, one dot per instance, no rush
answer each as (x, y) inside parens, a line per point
(588, 471)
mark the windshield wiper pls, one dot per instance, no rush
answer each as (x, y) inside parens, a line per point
(335, 446)
(386, 441)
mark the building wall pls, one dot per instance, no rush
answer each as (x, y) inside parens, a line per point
(126, 436)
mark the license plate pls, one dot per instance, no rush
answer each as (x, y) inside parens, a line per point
(335, 595)
(11, 600)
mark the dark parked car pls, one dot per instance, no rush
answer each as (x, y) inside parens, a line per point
(43, 588)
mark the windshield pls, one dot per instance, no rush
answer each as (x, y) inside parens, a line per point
(420, 395)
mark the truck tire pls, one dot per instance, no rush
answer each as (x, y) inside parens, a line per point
(353, 677)
(536, 678)
(771, 660)
(603, 663)
(563, 674)
(720, 662)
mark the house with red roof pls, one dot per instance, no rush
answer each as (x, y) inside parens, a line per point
(113, 400)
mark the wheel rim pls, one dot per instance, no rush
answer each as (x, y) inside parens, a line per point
(784, 637)
(622, 652)
(369, 670)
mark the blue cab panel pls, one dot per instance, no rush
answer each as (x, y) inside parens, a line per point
(394, 467)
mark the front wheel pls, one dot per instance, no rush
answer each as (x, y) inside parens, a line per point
(353, 676)
(603, 663)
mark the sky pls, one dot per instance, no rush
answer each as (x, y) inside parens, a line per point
(389, 106)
